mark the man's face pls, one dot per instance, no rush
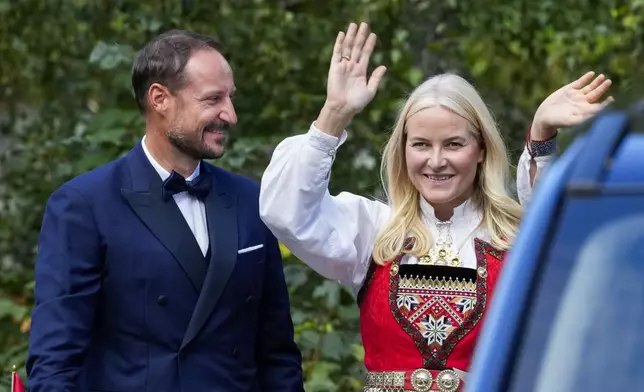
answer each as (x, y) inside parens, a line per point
(201, 112)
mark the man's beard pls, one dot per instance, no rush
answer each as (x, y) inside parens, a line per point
(193, 145)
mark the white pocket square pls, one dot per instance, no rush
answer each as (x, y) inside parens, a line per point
(250, 249)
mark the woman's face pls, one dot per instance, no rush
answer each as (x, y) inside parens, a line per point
(442, 157)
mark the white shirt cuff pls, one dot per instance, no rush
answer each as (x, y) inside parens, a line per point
(325, 142)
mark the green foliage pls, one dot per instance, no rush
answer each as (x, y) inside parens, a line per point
(66, 107)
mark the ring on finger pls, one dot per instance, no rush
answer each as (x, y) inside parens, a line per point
(348, 58)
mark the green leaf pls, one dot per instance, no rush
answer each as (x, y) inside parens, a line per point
(309, 339)
(11, 310)
(295, 275)
(414, 76)
(108, 57)
(330, 291)
(5, 6)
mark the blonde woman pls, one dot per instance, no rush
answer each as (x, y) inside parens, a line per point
(423, 265)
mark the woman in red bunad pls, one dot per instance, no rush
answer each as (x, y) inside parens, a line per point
(424, 265)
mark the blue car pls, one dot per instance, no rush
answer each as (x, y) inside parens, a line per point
(568, 313)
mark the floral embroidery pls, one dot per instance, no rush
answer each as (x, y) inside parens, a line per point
(464, 305)
(407, 303)
(435, 331)
(438, 311)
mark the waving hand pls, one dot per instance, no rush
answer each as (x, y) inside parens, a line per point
(571, 105)
(348, 88)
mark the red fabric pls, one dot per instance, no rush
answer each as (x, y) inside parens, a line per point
(388, 347)
(16, 383)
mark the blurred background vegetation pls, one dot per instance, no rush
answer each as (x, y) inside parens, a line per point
(66, 107)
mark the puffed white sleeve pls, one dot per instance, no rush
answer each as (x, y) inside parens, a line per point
(334, 235)
(543, 153)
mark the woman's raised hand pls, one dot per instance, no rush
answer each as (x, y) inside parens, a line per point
(348, 88)
(570, 105)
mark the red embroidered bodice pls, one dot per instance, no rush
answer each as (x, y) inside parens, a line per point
(425, 316)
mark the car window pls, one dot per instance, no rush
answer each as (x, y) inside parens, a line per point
(585, 325)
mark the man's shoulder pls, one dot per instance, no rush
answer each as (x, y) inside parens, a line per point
(239, 182)
(94, 181)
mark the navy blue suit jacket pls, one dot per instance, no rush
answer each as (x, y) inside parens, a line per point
(126, 301)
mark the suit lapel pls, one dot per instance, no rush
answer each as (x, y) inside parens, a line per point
(163, 219)
(221, 213)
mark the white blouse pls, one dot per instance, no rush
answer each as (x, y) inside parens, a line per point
(335, 235)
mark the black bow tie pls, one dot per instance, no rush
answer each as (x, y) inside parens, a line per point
(199, 187)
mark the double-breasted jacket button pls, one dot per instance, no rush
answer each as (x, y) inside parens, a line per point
(162, 300)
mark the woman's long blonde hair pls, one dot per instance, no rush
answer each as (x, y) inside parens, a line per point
(501, 213)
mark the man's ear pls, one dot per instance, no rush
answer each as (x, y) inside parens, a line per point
(159, 98)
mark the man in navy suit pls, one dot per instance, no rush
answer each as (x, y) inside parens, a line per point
(154, 272)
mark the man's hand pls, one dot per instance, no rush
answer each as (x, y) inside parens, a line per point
(570, 105)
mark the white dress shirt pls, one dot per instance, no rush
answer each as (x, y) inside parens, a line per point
(335, 235)
(192, 209)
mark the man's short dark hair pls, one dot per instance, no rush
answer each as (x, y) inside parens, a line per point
(163, 61)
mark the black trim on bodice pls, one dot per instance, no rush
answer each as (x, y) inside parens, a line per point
(437, 271)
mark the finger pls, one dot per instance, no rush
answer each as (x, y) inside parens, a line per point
(597, 93)
(607, 102)
(348, 40)
(594, 84)
(337, 48)
(595, 108)
(582, 81)
(361, 37)
(367, 51)
(376, 77)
